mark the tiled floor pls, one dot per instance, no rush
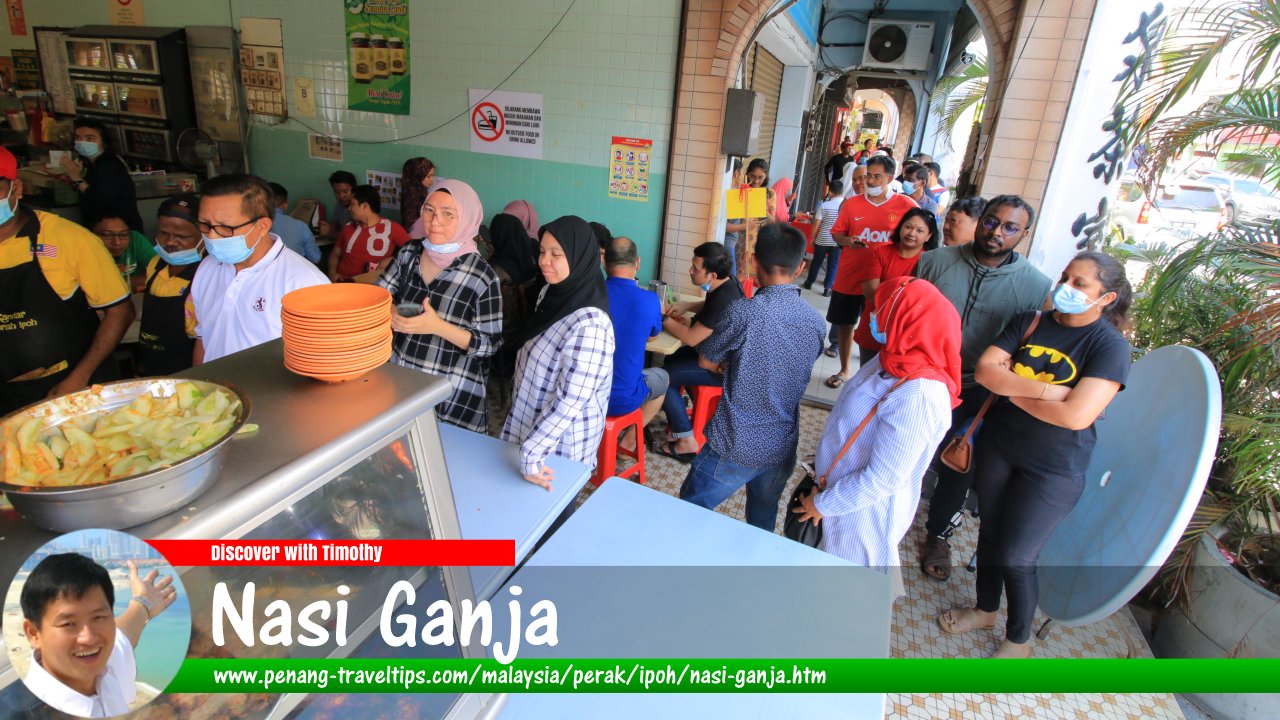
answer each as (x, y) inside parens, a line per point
(915, 634)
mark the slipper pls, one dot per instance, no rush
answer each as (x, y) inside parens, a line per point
(962, 620)
(835, 381)
(668, 449)
(935, 559)
(1009, 649)
(830, 352)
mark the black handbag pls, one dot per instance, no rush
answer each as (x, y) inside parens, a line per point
(804, 531)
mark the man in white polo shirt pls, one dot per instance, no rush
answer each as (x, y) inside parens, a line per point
(238, 288)
(82, 654)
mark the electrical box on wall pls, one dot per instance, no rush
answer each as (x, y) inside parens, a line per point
(742, 112)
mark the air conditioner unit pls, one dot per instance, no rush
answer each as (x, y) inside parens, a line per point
(898, 45)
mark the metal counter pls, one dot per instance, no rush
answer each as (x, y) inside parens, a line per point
(355, 460)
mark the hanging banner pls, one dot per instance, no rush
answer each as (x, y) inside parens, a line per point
(506, 123)
(17, 17)
(629, 168)
(378, 56)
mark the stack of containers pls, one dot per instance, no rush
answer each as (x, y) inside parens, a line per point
(336, 332)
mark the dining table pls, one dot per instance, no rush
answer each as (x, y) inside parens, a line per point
(664, 343)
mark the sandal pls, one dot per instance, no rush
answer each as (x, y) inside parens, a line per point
(669, 449)
(1009, 649)
(835, 381)
(830, 351)
(935, 559)
(962, 620)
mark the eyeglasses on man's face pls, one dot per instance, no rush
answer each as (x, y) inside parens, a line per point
(1009, 229)
(222, 231)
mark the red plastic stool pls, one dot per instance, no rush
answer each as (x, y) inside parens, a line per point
(706, 398)
(607, 456)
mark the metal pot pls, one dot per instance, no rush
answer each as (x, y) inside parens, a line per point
(129, 501)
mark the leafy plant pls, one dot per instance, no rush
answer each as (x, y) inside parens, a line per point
(954, 94)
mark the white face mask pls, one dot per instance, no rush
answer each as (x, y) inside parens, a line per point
(875, 191)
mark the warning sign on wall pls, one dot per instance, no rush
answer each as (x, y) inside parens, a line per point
(506, 123)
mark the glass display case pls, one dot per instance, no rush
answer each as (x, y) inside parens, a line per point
(93, 96)
(373, 471)
(134, 56)
(146, 143)
(145, 101)
(87, 54)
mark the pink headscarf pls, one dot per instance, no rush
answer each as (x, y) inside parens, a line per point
(470, 213)
(525, 212)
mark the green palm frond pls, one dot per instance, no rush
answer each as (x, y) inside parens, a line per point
(954, 94)
(1218, 122)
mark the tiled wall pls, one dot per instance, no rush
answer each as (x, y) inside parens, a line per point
(608, 69)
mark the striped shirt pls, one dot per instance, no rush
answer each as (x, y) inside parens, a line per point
(465, 294)
(562, 383)
(873, 492)
(827, 213)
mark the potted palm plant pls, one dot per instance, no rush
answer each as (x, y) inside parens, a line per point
(1221, 294)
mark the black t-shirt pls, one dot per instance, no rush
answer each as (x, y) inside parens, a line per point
(110, 188)
(835, 166)
(1058, 355)
(717, 300)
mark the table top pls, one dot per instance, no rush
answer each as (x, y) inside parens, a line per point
(667, 567)
(495, 503)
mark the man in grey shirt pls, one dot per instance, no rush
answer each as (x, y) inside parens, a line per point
(988, 283)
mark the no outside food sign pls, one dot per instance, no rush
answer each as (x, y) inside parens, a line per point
(506, 123)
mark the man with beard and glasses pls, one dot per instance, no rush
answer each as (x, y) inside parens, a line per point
(988, 283)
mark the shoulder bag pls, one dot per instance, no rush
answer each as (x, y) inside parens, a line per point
(958, 454)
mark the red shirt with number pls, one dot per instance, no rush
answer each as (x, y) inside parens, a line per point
(364, 245)
(870, 224)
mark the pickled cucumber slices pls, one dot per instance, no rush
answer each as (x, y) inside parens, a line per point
(148, 433)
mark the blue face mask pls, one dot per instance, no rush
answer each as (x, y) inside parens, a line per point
(908, 187)
(88, 148)
(181, 257)
(230, 250)
(444, 249)
(1071, 301)
(6, 211)
(876, 333)
(706, 287)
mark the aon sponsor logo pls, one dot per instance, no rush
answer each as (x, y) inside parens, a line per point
(874, 236)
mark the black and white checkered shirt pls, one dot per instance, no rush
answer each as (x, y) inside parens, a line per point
(562, 386)
(465, 294)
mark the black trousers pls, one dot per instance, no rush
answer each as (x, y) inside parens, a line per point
(1019, 506)
(947, 502)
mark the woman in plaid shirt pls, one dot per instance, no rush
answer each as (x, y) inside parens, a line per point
(565, 369)
(460, 327)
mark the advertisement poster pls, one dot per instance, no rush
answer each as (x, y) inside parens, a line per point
(26, 70)
(388, 184)
(378, 56)
(506, 123)
(324, 147)
(125, 12)
(629, 168)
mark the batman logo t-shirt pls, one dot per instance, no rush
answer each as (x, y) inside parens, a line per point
(1058, 355)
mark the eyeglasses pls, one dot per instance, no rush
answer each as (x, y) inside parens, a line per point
(1009, 229)
(123, 235)
(222, 231)
(429, 212)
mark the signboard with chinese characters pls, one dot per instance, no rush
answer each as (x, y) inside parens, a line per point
(378, 55)
(125, 12)
(506, 123)
(323, 147)
(629, 168)
(26, 70)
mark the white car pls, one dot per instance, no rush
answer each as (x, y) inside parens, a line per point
(1184, 209)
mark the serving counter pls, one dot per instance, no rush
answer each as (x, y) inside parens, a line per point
(361, 460)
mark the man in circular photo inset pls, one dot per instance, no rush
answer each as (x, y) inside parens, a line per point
(83, 654)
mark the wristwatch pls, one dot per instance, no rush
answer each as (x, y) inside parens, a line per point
(146, 605)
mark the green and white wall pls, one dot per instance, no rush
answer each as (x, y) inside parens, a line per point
(608, 69)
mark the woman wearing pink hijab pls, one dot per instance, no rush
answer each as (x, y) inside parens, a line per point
(526, 214)
(448, 318)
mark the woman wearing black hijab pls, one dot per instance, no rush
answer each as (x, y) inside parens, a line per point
(514, 263)
(565, 368)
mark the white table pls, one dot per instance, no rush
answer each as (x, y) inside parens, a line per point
(495, 503)
(638, 573)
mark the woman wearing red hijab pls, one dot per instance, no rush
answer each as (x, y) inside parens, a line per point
(873, 486)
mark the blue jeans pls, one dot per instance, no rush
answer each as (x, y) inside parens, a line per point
(832, 256)
(684, 372)
(712, 480)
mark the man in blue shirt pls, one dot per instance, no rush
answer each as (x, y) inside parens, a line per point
(765, 348)
(637, 316)
(295, 233)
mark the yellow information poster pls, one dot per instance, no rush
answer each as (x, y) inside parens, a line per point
(629, 168)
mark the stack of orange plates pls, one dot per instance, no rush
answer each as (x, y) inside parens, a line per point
(336, 332)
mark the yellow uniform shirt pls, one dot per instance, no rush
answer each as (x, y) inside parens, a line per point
(70, 257)
(167, 285)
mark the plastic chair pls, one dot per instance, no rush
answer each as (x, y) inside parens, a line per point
(706, 398)
(607, 455)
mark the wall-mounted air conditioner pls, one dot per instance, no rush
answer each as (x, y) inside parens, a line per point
(898, 44)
